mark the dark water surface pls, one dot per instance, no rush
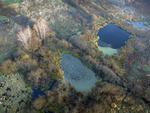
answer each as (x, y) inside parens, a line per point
(37, 93)
(113, 36)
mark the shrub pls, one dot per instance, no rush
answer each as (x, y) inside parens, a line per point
(14, 94)
(8, 67)
(37, 77)
(39, 103)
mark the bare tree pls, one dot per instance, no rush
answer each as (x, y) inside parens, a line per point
(42, 29)
(25, 36)
(31, 38)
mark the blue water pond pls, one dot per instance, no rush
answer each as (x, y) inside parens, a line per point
(113, 36)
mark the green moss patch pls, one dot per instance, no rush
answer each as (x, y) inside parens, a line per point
(12, 1)
(4, 19)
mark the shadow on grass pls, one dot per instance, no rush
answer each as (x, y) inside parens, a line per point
(15, 16)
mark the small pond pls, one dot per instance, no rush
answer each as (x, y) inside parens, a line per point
(37, 92)
(77, 74)
(112, 38)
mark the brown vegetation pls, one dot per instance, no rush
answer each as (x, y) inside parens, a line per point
(37, 61)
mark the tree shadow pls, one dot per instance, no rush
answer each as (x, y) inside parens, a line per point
(15, 16)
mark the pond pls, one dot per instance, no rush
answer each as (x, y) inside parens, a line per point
(112, 38)
(37, 92)
(77, 74)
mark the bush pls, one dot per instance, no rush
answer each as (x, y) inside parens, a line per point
(15, 95)
(8, 67)
(39, 103)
